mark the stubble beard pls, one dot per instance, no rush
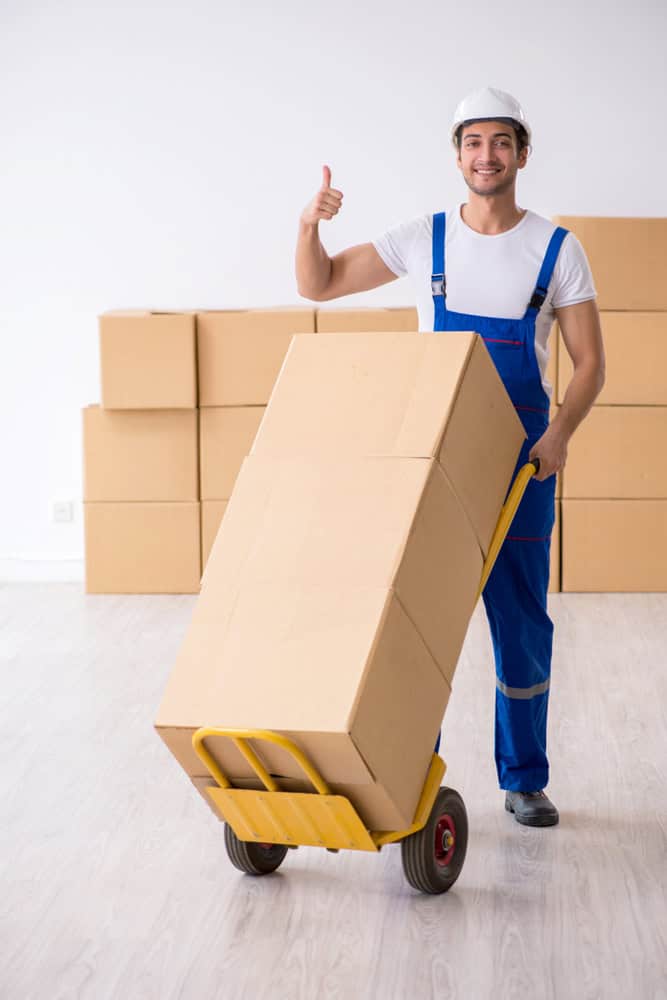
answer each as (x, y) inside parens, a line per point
(489, 192)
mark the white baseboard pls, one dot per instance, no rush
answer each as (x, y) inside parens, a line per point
(32, 569)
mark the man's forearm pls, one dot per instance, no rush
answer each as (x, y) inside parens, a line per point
(313, 265)
(581, 393)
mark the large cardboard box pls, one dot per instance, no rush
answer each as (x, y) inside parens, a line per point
(366, 320)
(618, 452)
(240, 352)
(147, 360)
(226, 434)
(615, 545)
(333, 609)
(628, 258)
(140, 455)
(391, 394)
(142, 548)
(339, 587)
(353, 523)
(635, 346)
(212, 513)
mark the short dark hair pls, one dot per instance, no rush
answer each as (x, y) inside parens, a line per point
(519, 130)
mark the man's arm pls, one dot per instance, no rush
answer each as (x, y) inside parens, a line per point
(320, 277)
(580, 327)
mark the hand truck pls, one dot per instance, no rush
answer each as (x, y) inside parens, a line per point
(262, 825)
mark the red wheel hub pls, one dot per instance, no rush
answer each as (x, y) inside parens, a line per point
(445, 840)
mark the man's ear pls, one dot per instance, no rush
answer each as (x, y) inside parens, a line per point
(523, 157)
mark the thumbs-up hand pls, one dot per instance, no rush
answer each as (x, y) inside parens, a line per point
(326, 203)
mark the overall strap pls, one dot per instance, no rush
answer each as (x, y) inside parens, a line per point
(546, 271)
(438, 280)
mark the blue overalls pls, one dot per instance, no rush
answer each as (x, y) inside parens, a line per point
(515, 596)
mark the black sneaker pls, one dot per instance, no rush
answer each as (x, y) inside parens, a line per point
(531, 808)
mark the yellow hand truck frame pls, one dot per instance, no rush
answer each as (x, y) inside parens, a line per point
(261, 825)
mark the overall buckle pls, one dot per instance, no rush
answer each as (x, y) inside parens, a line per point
(537, 300)
(438, 284)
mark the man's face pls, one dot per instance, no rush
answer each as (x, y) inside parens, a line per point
(488, 157)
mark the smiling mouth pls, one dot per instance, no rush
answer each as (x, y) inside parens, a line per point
(487, 173)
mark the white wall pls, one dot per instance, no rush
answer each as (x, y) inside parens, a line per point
(158, 155)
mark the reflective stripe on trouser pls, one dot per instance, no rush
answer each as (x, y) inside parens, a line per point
(515, 596)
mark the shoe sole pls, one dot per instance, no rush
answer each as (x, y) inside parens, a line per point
(532, 820)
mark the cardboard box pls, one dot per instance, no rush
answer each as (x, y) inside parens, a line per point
(226, 434)
(352, 523)
(333, 609)
(554, 557)
(627, 257)
(212, 513)
(340, 585)
(147, 360)
(635, 346)
(140, 455)
(410, 396)
(142, 548)
(240, 352)
(618, 453)
(366, 320)
(615, 545)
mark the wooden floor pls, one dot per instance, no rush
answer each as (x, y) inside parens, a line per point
(114, 882)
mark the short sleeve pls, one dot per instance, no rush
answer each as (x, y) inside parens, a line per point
(395, 246)
(572, 280)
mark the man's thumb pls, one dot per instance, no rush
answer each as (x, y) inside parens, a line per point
(326, 177)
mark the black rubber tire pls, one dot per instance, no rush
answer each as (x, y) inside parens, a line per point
(429, 866)
(252, 858)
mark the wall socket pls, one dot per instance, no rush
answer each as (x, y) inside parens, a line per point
(62, 511)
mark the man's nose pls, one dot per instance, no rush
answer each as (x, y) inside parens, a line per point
(486, 151)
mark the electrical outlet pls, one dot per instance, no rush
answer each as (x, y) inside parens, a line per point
(62, 511)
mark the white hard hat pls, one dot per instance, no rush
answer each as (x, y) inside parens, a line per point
(489, 104)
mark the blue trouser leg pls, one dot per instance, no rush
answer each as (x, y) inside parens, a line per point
(515, 599)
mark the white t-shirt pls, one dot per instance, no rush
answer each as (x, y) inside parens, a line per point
(490, 275)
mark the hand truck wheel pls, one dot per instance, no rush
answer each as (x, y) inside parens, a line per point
(253, 858)
(433, 857)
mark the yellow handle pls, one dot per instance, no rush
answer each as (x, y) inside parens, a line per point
(523, 477)
(239, 738)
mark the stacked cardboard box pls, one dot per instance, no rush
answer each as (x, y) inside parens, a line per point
(147, 485)
(338, 590)
(614, 516)
(141, 490)
(395, 320)
(157, 369)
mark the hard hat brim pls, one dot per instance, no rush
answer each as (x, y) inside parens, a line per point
(492, 118)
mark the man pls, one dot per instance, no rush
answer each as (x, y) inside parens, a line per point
(506, 273)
